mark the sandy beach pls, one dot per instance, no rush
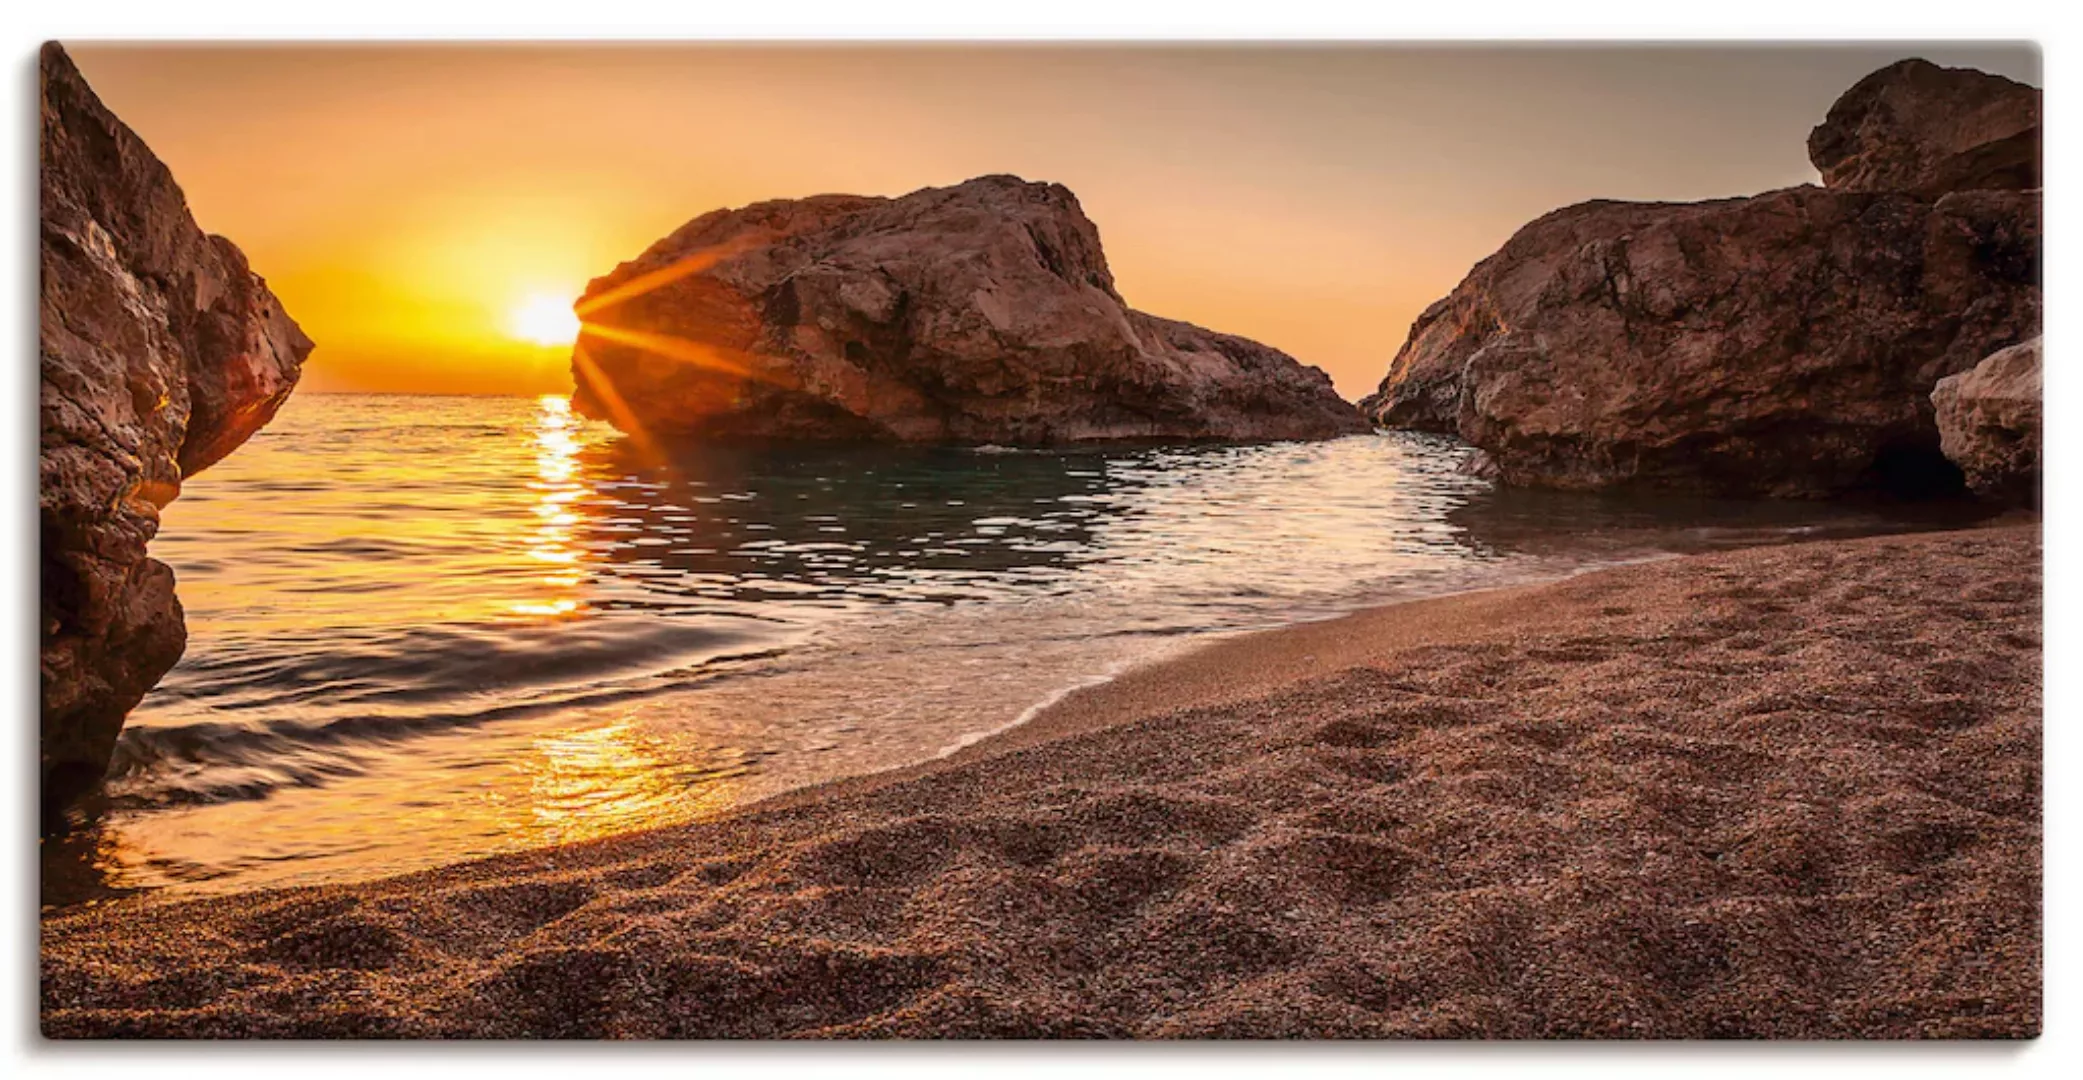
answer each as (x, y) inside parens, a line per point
(1785, 792)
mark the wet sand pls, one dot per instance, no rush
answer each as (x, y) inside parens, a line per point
(1786, 792)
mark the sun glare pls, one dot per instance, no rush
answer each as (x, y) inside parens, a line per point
(545, 320)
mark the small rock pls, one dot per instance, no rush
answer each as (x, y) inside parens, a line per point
(1989, 423)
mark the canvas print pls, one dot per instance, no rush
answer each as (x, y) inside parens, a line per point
(1131, 541)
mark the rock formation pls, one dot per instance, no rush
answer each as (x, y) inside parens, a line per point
(1989, 423)
(979, 313)
(161, 353)
(1919, 128)
(1784, 344)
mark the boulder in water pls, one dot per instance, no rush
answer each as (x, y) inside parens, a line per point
(979, 313)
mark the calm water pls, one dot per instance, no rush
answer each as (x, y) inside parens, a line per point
(427, 629)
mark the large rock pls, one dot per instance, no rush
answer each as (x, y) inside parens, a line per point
(1989, 423)
(980, 313)
(1784, 344)
(1780, 345)
(161, 352)
(1919, 128)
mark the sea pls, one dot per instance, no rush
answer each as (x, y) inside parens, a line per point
(430, 629)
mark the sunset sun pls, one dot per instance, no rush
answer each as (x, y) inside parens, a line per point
(544, 319)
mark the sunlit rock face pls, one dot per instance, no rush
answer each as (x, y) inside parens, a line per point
(1783, 345)
(1919, 128)
(161, 353)
(1989, 423)
(979, 313)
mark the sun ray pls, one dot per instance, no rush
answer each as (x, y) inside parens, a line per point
(586, 372)
(685, 267)
(709, 358)
(698, 354)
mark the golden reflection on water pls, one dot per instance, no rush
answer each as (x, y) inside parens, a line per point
(557, 486)
(393, 806)
(444, 799)
(597, 781)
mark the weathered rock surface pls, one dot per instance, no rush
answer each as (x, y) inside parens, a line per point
(161, 352)
(1989, 423)
(1927, 130)
(978, 313)
(1784, 344)
(1781, 345)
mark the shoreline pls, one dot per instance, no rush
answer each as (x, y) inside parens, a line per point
(1087, 702)
(1263, 802)
(966, 747)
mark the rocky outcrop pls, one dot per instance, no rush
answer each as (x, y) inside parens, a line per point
(1422, 391)
(1783, 345)
(1989, 423)
(1927, 130)
(979, 313)
(161, 352)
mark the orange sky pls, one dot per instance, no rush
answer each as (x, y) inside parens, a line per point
(405, 200)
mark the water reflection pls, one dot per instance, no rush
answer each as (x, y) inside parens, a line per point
(596, 780)
(557, 489)
(846, 527)
(439, 798)
(345, 736)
